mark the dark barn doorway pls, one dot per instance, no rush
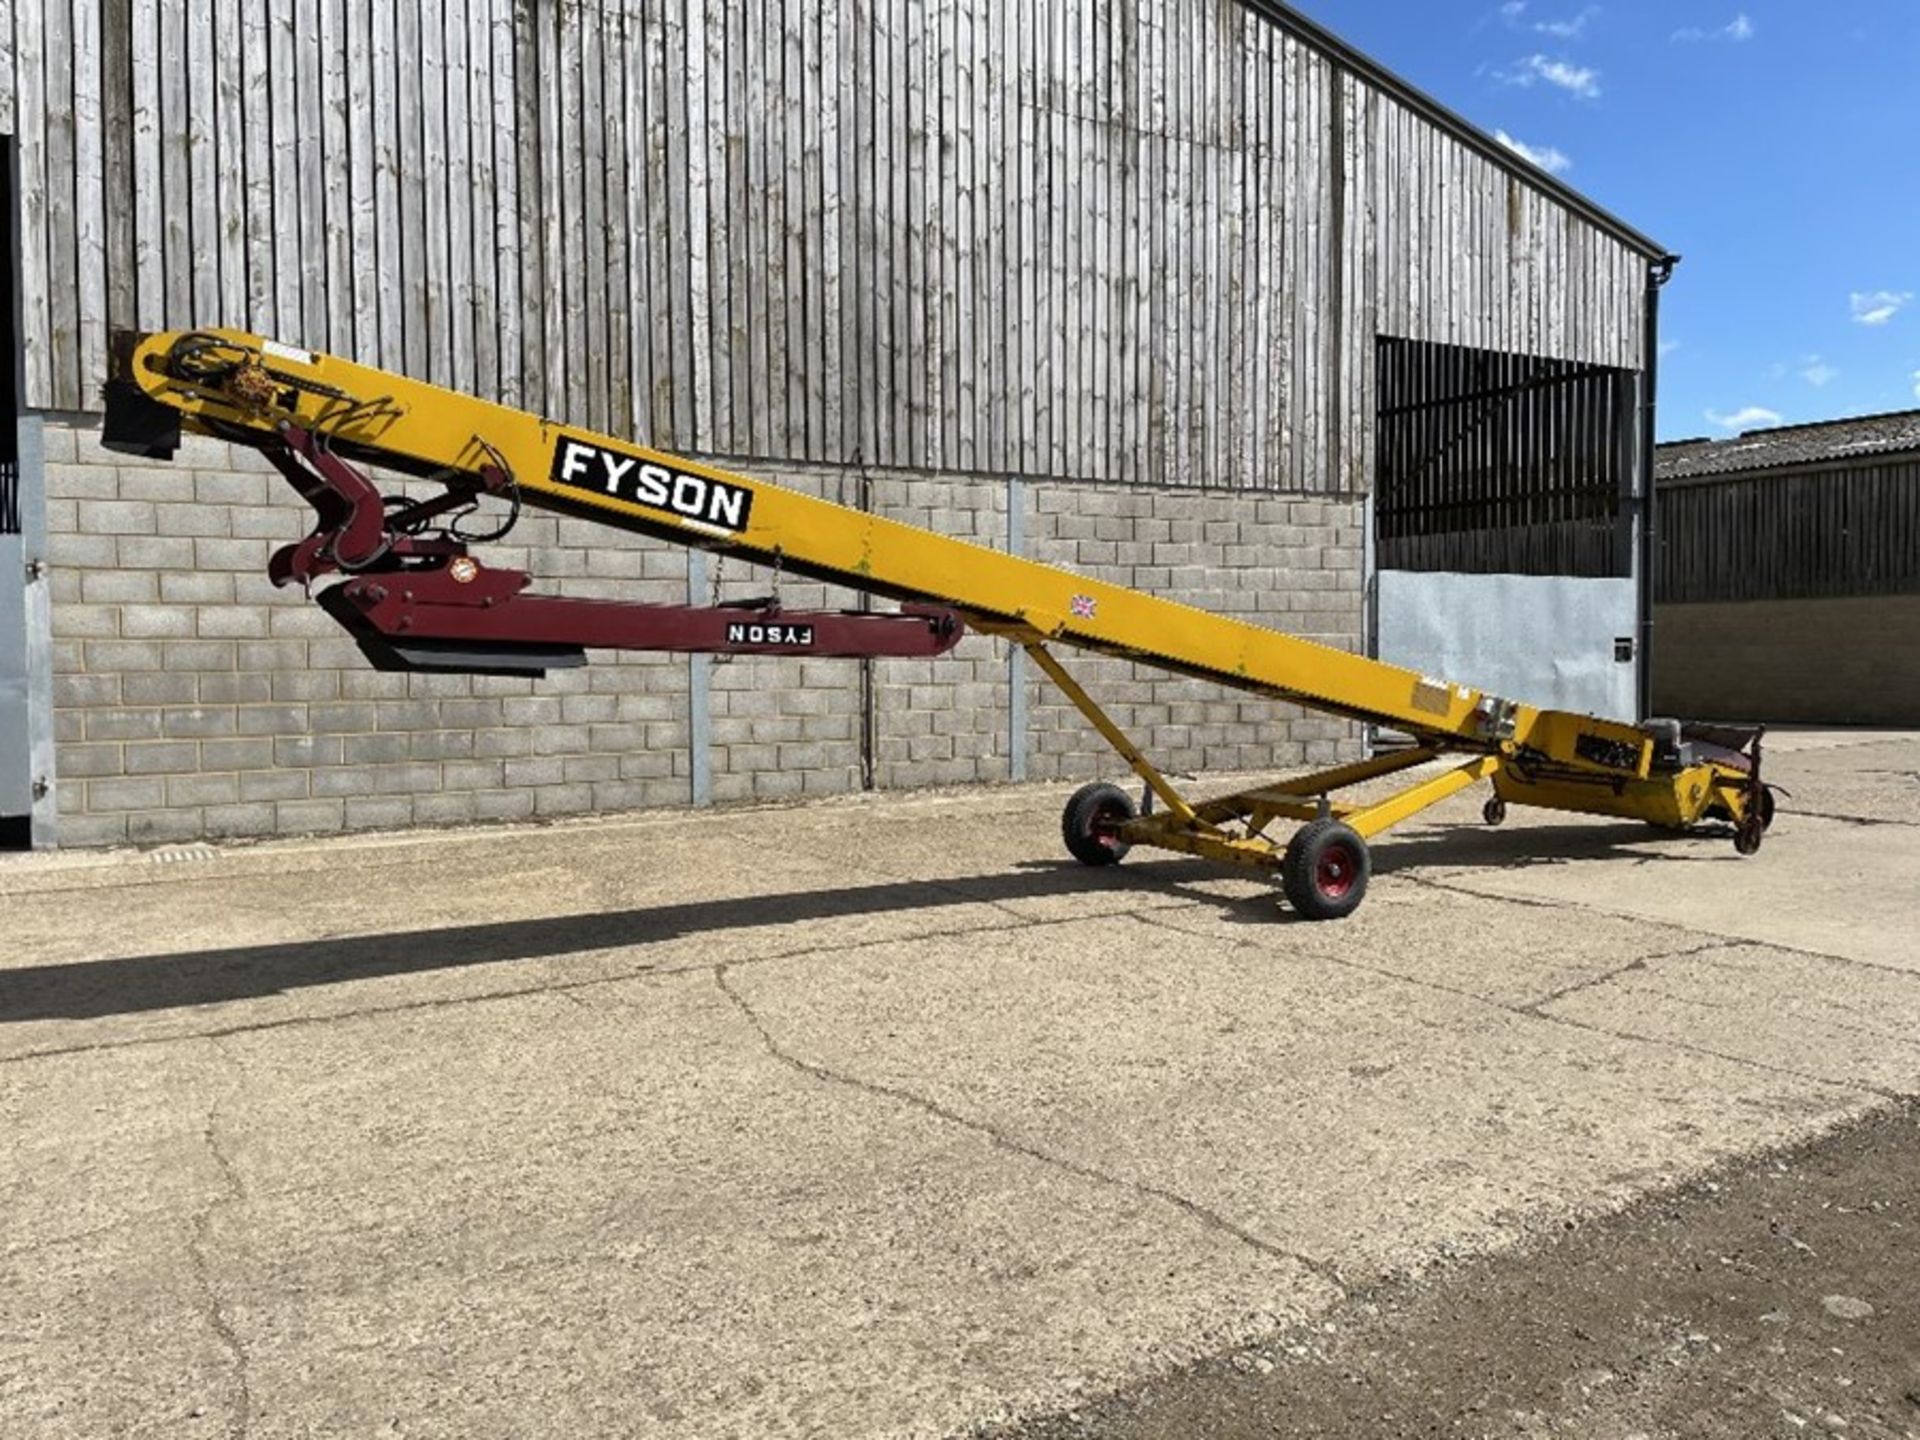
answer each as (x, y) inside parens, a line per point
(1504, 507)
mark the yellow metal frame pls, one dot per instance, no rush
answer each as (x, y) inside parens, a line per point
(1537, 757)
(1676, 801)
(1200, 830)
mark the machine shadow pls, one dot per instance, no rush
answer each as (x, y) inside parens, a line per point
(92, 989)
(1453, 848)
(1525, 846)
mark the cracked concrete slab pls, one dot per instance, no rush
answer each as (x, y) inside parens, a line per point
(1866, 781)
(1829, 1017)
(637, 1192)
(866, 1118)
(1836, 888)
(1425, 1115)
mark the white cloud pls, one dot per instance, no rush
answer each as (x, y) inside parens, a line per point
(1667, 347)
(1916, 384)
(1737, 29)
(1580, 80)
(1816, 372)
(1514, 9)
(1548, 157)
(1574, 27)
(1877, 307)
(1743, 419)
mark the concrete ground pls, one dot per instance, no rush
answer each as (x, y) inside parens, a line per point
(1770, 1299)
(869, 1118)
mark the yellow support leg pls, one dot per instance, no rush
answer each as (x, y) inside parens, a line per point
(1112, 733)
(1280, 798)
(1372, 819)
(1163, 832)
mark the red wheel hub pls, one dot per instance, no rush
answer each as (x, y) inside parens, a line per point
(1106, 828)
(1334, 875)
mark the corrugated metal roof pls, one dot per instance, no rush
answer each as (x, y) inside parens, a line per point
(1822, 443)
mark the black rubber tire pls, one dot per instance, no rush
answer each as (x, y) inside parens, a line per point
(1767, 811)
(1750, 832)
(1324, 872)
(1494, 812)
(1088, 822)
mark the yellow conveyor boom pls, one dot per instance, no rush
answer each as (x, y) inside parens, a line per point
(313, 412)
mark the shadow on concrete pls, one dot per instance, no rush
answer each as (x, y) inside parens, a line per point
(1520, 847)
(86, 990)
(90, 989)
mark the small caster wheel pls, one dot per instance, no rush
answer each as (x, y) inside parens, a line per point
(1752, 830)
(1766, 807)
(1091, 824)
(1494, 812)
(1324, 872)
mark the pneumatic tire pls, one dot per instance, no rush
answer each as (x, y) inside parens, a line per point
(1324, 872)
(1091, 824)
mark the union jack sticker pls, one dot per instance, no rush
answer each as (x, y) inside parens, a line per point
(1083, 607)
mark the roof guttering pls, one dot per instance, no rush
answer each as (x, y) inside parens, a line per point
(1424, 105)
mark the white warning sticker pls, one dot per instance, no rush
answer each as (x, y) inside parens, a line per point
(286, 352)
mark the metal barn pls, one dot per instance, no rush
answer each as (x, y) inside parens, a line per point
(1184, 293)
(1789, 574)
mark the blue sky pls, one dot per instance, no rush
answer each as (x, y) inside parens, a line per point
(1773, 144)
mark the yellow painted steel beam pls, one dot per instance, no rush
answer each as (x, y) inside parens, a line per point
(1274, 796)
(1730, 789)
(1372, 819)
(1673, 801)
(1112, 733)
(425, 430)
(1267, 811)
(1164, 832)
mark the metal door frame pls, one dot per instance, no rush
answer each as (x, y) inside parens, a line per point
(26, 652)
(1577, 517)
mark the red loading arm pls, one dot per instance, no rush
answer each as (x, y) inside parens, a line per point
(422, 602)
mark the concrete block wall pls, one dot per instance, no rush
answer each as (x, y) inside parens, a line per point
(1846, 661)
(945, 721)
(1287, 562)
(782, 726)
(193, 700)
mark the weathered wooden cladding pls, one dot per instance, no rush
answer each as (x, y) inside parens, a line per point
(1147, 240)
(1810, 532)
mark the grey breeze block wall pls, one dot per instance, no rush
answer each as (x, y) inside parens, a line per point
(194, 700)
(1847, 660)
